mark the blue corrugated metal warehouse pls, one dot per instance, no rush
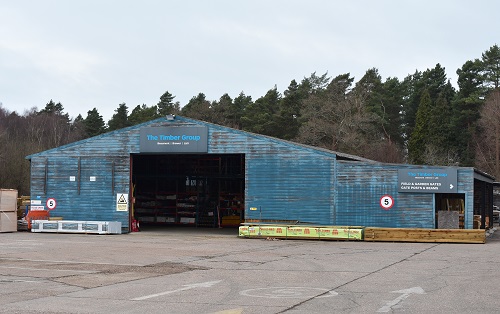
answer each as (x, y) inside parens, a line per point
(175, 170)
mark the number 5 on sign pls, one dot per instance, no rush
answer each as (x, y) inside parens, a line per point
(51, 203)
(386, 202)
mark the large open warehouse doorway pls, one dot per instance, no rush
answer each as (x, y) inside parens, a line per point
(199, 190)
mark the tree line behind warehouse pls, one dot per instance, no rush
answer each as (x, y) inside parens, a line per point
(421, 119)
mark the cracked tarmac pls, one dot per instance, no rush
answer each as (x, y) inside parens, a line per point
(60, 273)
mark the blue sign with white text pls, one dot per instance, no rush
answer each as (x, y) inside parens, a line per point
(174, 139)
(427, 180)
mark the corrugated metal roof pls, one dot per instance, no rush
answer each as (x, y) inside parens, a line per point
(186, 121)
(84, 141)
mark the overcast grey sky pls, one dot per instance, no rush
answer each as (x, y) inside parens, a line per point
(101, 53)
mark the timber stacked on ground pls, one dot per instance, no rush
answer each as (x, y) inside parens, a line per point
(370, 234)
(8, 216)
(304, 232)
(425, 235)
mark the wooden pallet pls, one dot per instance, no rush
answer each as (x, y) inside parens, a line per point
(425, 235)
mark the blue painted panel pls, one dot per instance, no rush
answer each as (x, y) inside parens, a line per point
(290, 189)
(360, 187)
(466, 186)
(81, 199)
(285, 180)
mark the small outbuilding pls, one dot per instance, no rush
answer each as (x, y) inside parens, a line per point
(181, 171)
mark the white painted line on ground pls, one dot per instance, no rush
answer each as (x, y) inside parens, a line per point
(405, 294)
(48, 269)
(289, 292)
(18, 280)
(65, 262)
(233, 311)
(207, 284)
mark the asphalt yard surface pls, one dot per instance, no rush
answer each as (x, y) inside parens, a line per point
(190, 270)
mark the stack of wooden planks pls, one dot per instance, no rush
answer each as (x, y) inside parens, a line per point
(425, 235)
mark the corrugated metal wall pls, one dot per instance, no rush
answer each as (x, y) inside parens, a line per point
(84, 177)
(360, 187)
(466, 186)
(284, 181)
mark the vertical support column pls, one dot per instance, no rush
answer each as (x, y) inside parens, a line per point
(483, 205)
(79, 174)
(46, 175)
(113, 178)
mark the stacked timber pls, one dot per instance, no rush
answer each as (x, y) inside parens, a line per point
(308, 232)
(425, 235)
(8, 216)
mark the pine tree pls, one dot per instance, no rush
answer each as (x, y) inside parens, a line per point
(259, 117)
(77, 129)
(289, 116)
(384, 100)
(167, 106)
(491, 66)
(119, 120)
(53, 109)
(315, 84)
(237, 109)
(465, 110)
(198, 108)
(142, 114)
(222, 109)
(412, 88)
(420, 135)
(435, 82)
(439, 149)
(94, 123)
(392, 101)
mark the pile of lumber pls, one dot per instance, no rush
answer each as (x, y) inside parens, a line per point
(425, 235)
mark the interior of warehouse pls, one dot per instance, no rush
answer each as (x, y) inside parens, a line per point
(450, 207)
(188, 189)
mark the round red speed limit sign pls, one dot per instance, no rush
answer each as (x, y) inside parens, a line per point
(386, 202)
(51, 203)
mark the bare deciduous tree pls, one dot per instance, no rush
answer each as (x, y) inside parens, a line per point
(338, 119)
(488, 143)
(30, 133)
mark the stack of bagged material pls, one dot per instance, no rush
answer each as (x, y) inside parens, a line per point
(8, 210)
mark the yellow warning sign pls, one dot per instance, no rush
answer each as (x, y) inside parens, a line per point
(121, 202)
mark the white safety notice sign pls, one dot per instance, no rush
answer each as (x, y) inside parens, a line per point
(121, 202)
